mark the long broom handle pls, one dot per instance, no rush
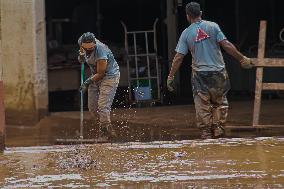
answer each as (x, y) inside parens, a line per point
(81, 102)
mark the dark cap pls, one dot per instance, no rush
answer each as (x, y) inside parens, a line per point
(87, 37)
(193, 9)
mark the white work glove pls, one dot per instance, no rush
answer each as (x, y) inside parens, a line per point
(246, 63)
(81, 57)
(170, 83)
(83, 88)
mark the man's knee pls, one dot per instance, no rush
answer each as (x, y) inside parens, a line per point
(220, 115)
(104, 114)
(205, 121)
(93, 110)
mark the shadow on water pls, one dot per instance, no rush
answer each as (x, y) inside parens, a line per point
(218, 163)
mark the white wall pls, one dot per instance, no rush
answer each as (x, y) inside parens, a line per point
(23, 55)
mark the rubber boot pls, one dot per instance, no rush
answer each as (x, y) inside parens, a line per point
(110, 131)
(103, 136)
(218, 131)
(206, 133)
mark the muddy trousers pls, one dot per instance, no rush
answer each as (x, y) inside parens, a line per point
(211, 104)
(100, 99)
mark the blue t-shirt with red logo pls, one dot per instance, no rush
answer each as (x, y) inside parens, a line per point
(202, 40)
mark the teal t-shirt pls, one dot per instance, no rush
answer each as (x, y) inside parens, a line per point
(202, 40)
(103, 52)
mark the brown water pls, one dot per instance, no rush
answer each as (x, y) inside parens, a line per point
(223, 163)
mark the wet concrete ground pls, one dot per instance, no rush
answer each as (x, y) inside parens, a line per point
(223, 163)
(148, 124)
(156, 148)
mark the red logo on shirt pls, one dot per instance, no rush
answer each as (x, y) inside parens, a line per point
(201, 35)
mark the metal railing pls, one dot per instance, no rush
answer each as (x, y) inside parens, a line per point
(152, 71)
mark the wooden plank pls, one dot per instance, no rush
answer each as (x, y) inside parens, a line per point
(245, 127)
(269, 62)
(261, 40)
(2, 118)
(259, 73)
(272, 86)
(257, 98)
(260, 63)
(270, 126)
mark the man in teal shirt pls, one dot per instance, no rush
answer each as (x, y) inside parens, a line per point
(210, 81)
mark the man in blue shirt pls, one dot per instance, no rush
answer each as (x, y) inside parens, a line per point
(210, 82)
(103, 82)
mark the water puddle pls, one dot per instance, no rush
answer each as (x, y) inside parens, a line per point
(222, 163)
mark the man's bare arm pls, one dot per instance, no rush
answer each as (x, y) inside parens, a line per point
(231, 50)
(176, 64)
(101, 70)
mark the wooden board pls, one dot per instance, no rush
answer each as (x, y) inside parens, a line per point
(2, 118)
(259, 73)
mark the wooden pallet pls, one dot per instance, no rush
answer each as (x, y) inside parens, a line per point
(261, 63)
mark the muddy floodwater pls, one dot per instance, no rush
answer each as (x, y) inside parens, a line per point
(222, 163)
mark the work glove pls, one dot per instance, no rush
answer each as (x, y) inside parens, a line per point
(83, 88)
(81, 57)
(170, 83)
(246, 63)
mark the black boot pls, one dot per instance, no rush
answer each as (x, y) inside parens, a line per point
(103, 136)
(110, 131)
(218, 131)
(206, 133)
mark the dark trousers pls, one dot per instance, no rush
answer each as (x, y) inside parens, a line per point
(209, 92)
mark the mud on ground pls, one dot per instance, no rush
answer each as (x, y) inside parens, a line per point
(144, 124)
